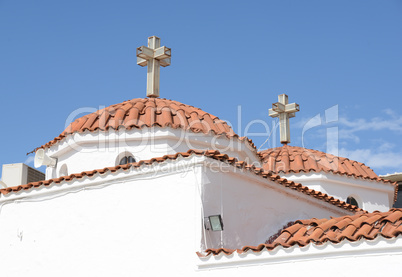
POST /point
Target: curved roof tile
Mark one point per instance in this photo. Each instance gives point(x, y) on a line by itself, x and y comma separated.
point(149, 112)
point(294, 159)
point(319, 231)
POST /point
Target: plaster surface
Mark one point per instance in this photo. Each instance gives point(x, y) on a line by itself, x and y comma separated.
point(370, 195)
point(95, 150)
point(146, 221)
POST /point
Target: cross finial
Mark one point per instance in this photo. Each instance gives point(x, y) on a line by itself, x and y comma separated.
point(153, 56)
point(284, 111)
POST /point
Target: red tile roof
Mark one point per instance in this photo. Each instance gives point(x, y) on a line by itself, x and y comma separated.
point(293, 159)
point(319, 231)
point(148, 112)
point(214, 154)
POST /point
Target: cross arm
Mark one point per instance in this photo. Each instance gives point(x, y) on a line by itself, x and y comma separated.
point(288, 108)
point(145, 53)
point(278, 107)
point(162, 54)
point(165, 62)
point(142, 62)
point(273, 113)
point(292, 108)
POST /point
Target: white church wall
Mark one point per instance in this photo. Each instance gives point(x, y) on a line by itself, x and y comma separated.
point(253, 208)
point(148, 222)
point(140, 223)
point(370, 195)
point(88, 151)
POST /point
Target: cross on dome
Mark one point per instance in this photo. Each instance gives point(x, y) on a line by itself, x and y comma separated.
point(154, 56)
point(284, 111)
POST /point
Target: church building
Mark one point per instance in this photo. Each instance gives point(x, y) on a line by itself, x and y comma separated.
point(151, 187)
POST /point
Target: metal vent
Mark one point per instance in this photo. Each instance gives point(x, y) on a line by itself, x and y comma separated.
point(34, 175)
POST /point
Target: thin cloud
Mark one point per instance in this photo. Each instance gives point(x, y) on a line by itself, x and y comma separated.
point(376, 158)
point(391, 123)
point(379, 149)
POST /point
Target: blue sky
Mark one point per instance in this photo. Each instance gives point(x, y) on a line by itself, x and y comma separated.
point(343, 57)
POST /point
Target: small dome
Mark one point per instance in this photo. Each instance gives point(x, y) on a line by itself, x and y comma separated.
point(148, 112)
point(293, 159)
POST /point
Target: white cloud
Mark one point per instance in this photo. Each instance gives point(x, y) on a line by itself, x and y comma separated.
point(377, 159)
point(391, 123)
point(373, 141)
point(346, 134)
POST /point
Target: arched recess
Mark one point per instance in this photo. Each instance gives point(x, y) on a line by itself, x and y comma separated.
point(354, 200)
point(125, 158)
point(63, 170)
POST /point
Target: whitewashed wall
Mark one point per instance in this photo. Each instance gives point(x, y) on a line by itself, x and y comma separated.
point(96, 150)
point(141, 222)
point(136, 225)
point(371, 195)
point(253, 208)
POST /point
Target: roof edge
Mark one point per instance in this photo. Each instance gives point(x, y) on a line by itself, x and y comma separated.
point(63, 136)
point(378, 219)
point(214, 154)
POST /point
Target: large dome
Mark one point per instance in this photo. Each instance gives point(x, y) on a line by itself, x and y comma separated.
point(148, 112)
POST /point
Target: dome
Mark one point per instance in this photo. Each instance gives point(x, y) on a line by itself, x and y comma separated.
point(148, 112)
point(293, 159)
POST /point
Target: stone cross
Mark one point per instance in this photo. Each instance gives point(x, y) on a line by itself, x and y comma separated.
point(154, 56)
point(284, 111)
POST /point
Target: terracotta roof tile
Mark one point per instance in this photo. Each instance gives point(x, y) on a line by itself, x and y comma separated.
point(288, 159)
point(214, 154)
point(361, 226)
point(148, 112)
point(292, 159)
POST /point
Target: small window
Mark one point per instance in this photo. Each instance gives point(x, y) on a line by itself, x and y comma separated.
point(350, 200)
point(125, 157)
point(398, 203)
point(127, 160)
